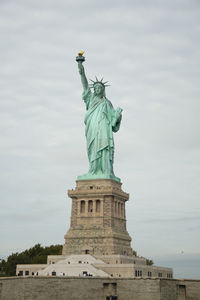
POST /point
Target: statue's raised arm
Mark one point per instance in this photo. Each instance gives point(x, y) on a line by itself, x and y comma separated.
point(80, 59)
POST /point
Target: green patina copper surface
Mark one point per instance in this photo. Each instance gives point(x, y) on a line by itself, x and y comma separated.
point(101, 120)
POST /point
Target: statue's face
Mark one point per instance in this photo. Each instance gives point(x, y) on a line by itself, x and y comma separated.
point(98, 88)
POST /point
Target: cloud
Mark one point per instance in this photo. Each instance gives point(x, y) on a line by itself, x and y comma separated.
point(176, 219)
point(186, 265)
point(149, 52)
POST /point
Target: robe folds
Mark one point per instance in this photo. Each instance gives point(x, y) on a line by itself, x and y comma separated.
point(101, 120)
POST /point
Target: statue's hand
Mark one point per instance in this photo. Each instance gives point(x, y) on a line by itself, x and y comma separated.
point(118, 112)
point(116, 119)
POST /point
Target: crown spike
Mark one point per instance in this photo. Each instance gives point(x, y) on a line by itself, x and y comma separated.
point(98, 81)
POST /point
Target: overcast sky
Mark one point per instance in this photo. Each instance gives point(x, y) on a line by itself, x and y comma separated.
point(149, 52)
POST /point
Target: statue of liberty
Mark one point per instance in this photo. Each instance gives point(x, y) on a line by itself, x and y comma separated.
point(101, 120)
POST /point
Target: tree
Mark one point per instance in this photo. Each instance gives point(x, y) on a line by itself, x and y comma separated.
point(35, 255)
point(149, 262)
point(134, 253)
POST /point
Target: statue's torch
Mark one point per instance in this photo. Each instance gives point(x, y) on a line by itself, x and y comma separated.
point(80, 58)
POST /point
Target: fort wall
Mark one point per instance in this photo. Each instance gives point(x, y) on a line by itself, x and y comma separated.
point(71, 288)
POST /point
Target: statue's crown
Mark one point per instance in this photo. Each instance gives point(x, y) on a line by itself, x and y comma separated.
point(98, 81)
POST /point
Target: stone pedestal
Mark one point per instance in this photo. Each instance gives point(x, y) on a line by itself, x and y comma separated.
point(98, 219)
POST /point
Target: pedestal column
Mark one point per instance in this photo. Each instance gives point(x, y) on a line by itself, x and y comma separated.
point(95, 232)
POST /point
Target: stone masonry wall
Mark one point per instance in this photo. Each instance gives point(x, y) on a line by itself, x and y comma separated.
point(45, 288)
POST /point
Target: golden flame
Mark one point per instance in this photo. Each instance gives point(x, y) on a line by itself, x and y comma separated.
point(80, 53)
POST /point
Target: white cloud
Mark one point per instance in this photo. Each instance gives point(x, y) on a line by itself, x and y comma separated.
point(149, 52)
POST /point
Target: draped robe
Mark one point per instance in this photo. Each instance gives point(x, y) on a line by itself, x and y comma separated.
point(101, 120)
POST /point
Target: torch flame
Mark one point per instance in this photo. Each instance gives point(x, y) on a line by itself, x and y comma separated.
point(80, 53)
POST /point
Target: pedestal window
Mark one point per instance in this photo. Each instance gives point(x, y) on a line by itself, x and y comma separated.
point(90, 206)
point(82, 206)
